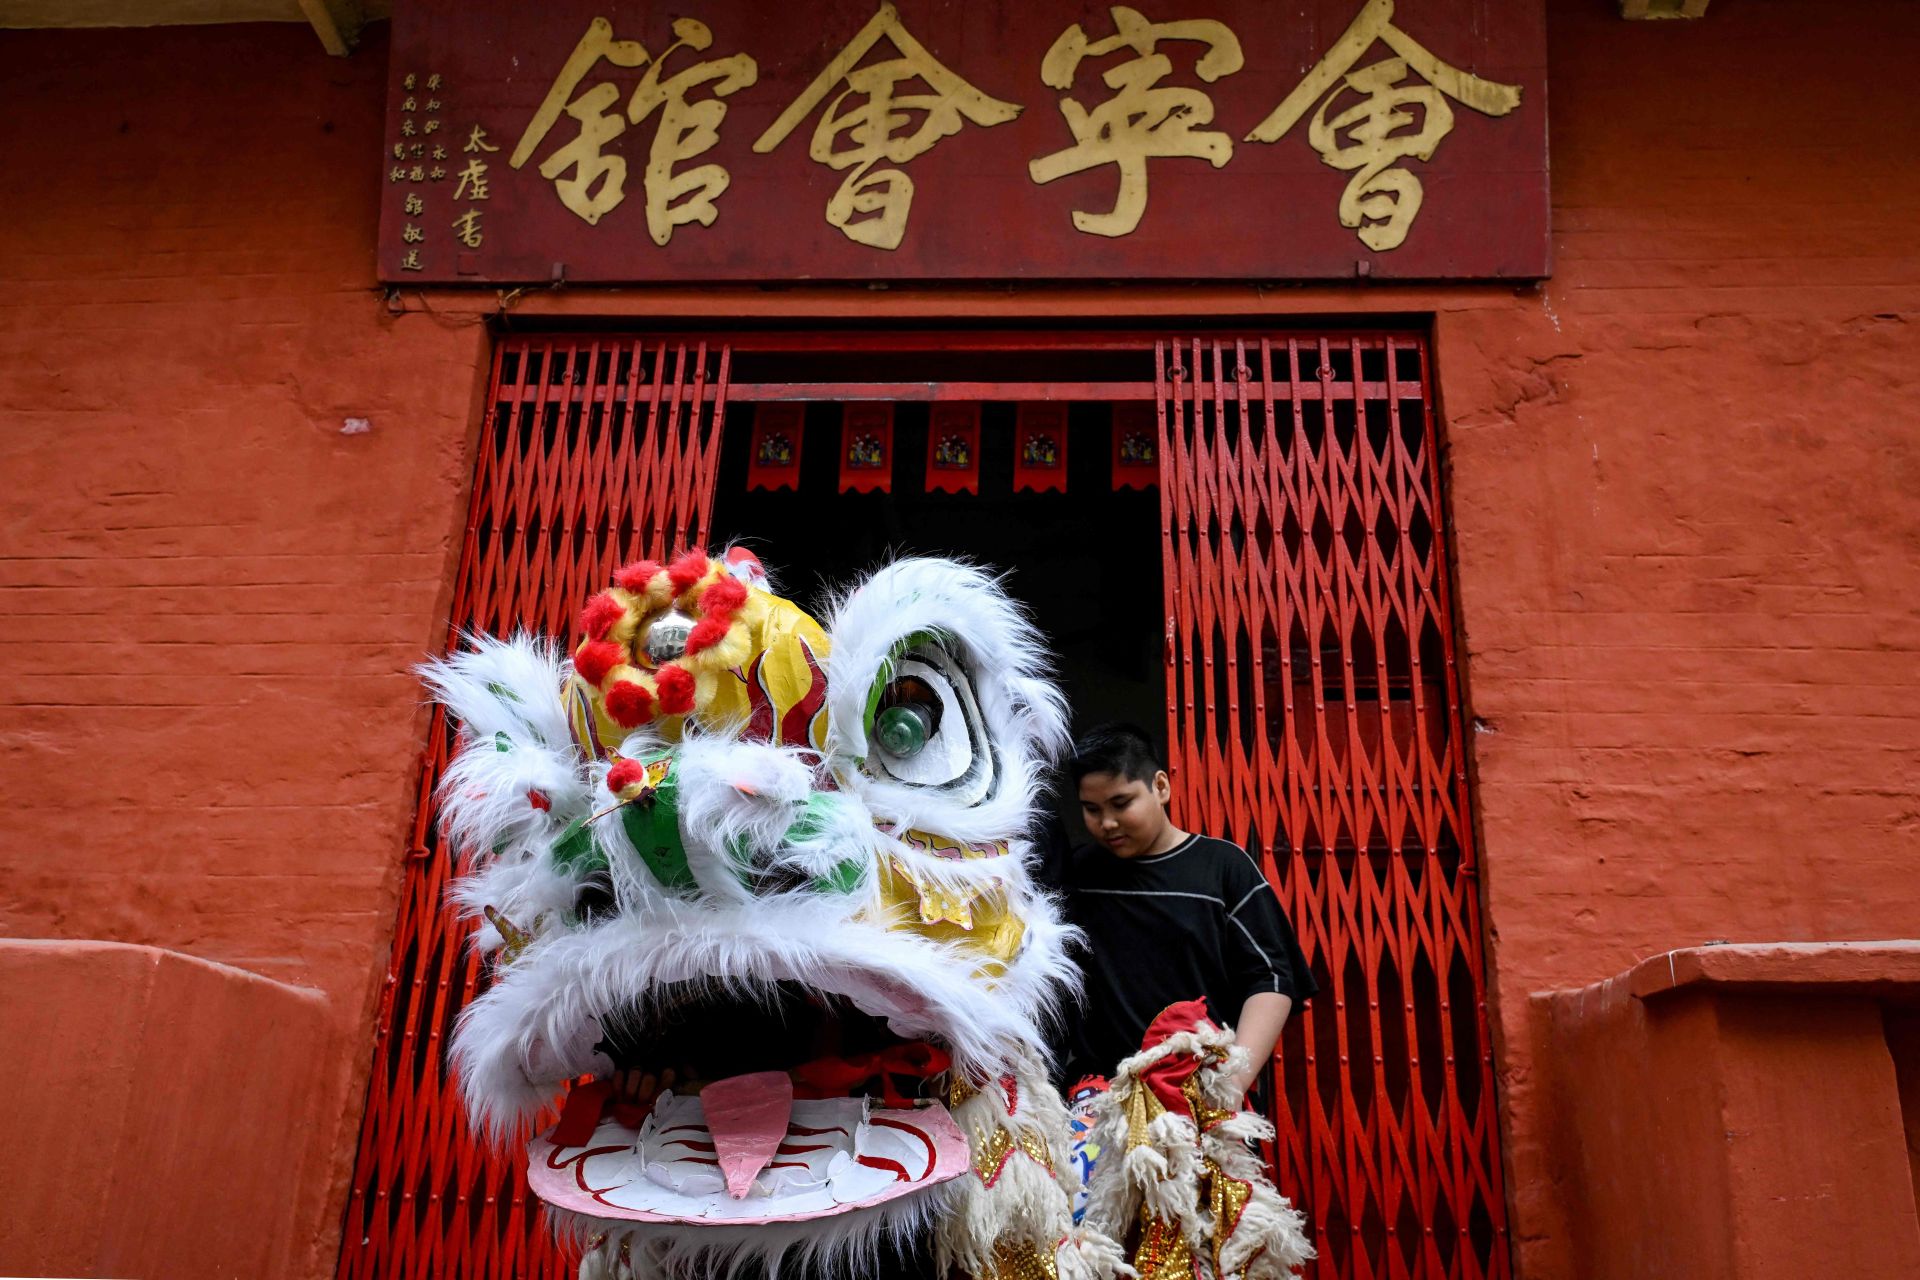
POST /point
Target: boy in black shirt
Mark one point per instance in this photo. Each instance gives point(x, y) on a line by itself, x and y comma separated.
point(1168, 916)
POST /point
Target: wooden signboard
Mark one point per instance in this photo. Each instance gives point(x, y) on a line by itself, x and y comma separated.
point(619, 141)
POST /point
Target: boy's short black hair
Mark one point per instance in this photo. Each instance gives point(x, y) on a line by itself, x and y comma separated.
point(1123, 750)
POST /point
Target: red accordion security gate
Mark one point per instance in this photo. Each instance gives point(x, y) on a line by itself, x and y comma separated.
point(1313, 716)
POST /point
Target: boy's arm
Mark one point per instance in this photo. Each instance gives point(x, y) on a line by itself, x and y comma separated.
point(1261, 1019)
point(1264, 957)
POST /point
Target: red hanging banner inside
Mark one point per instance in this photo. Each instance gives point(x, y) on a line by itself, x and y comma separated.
point(1040, 447)
point(953, 448)
point(1136, 451)
point(866, 447)
point(773, 460)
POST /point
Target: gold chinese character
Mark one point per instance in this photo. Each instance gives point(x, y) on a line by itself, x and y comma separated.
point(477, 141)
point(439, 152)
point(473, 180)
point(1139, 122)
point(408, 104)
point(433, 126)
point(598, 181)
point(412, 261)
point(438, 173)
point(467, 228)
point(870, 127)
point(434, 81)
point(412, 234)
point(397, 174)
point(417, 150)
point(1381, 200)
point(408, 82)
point(406, 128)
point(416, 173)
point(433, 104)
point(414, 205)
point(685, 130)
point(399, 151)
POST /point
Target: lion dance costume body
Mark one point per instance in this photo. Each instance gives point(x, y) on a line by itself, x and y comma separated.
point(752, 899)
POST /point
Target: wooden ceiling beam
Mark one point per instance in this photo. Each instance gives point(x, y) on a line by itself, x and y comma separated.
point(336, 22)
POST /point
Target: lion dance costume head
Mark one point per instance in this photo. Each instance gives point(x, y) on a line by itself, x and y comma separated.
point(754, 901)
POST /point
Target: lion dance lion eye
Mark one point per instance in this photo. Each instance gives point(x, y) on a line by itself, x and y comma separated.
point(908, 717)
point(925, 723)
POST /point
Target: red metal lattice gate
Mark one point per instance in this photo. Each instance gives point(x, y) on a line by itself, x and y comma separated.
point(1313, 716)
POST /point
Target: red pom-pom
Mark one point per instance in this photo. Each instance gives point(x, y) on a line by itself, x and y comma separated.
point(624, 774)
point(724, 596)
point(629, 704)
point(538, 800)
point(635, 577)
point(676, 690)
point(599, 615)
point(687, 570)
point(707, 632)
point(597, 657)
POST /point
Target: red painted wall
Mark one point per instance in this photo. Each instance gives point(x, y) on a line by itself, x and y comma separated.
point(212, 595)
point(1684, 497)
point(1681, 486)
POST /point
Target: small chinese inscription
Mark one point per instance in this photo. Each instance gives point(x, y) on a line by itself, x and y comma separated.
point(472, 183)
point(413, 234)
point(466, 228)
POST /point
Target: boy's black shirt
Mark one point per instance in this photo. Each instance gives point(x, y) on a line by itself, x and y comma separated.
point(1197, 920)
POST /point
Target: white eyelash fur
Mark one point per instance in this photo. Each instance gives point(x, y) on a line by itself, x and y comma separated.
point(566, 980)
point(1010, 669)
point(506, 690)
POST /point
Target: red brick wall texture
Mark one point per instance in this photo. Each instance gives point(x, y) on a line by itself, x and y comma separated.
point(1682, 485)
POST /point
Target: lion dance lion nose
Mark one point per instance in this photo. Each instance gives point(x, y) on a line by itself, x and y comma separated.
point(667, 637)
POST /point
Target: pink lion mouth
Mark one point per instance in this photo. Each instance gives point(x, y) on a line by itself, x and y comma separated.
point(776, 1104)
point(746, 1152)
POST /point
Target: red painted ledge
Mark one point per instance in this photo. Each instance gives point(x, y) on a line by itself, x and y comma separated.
point(1872, 968)
point(165, 1113)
